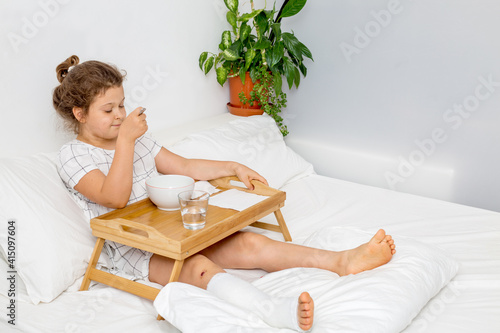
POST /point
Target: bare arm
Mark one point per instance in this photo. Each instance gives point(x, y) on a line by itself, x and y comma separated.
point(170, 163)
point(114, 190)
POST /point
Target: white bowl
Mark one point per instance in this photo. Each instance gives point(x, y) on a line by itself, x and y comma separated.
point(164, 190)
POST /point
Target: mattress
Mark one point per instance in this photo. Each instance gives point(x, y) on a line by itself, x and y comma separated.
point(467, 301)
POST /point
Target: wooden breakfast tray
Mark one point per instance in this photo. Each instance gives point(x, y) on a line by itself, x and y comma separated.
point(142, 225)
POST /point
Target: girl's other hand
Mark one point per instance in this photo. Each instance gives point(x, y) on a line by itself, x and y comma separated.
point(134, 126)
point(245, 174)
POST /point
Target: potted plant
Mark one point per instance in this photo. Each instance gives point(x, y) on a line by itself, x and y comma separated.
point(255, 51)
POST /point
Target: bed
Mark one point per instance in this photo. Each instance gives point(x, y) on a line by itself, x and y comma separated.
point(445, 276)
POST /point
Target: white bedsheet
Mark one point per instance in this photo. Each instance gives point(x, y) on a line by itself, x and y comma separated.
point(470, 302)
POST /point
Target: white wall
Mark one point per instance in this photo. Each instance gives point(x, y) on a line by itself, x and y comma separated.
point(382, 99)
point(157, 42)
point(363, 113)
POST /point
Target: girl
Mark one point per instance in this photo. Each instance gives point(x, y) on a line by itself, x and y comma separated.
point(106, 167)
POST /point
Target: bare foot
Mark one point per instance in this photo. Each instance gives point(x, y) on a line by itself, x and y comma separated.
point(378, 251)
point(305, 311)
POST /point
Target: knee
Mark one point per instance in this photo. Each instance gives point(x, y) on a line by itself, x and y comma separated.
point(252, 242)
point(198, 270)
point(198, 263)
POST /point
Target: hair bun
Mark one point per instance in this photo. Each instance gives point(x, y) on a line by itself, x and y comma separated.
point(63, 68)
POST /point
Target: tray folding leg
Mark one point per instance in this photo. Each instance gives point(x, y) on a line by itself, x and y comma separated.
point(136, 288)
point(176, 271)
point(282, 224)
point(92, 263)
point(174, 276)
point(117, 282)
point(281, 227)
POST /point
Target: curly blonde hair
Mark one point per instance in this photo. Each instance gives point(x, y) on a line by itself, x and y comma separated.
point(80, 84)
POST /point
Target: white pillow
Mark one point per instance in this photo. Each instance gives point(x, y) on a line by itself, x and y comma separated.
point(53, 237)
point(18, 291)
point(253, 141)
point(384, 299)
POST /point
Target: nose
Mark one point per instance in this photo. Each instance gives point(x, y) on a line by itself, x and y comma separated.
point(118, 114)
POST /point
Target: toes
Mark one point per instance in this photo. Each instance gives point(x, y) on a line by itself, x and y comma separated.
point(306, 311)
point(305, 298)
point(304, 307)
point(306, 324)
point(392, 246)
point(379, 236)
point(301, 315)
point(388, 239)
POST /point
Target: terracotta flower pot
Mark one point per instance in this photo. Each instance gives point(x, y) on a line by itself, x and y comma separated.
point(236, 87)
point(235, 106)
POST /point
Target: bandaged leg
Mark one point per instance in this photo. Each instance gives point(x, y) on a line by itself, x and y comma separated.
point(276, 312)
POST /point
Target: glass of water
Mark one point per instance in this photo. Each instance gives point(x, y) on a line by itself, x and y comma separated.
point(194, 205)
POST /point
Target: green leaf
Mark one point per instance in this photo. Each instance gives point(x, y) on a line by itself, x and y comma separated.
point(294, 59)
point(226, 40)
point(277, 53)
point(261, 24)
point(292, 45)
point(242, 74)
point(245, 30)
point(262, 43)
point(237, 47)
point(230, 54)
point(297, 77)
point(293, 7)
point(208, 65)
point(221, 75)
point(232, 5)
point(252, 38)
point(303, 69)
point(253, 73)
point(231, 18)
point(276, 30)
point(289, 69)
point(249, 16)
point(249, 55)
point(202, 59)
point(305, 51)
point(218, 58)
point(270, 13)
point(277, 82)
point(269, 59)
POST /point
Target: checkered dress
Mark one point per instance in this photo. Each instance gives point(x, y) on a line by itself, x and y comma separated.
point(77, 158)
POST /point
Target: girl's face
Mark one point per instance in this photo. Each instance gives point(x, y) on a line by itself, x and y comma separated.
point(101, 125)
